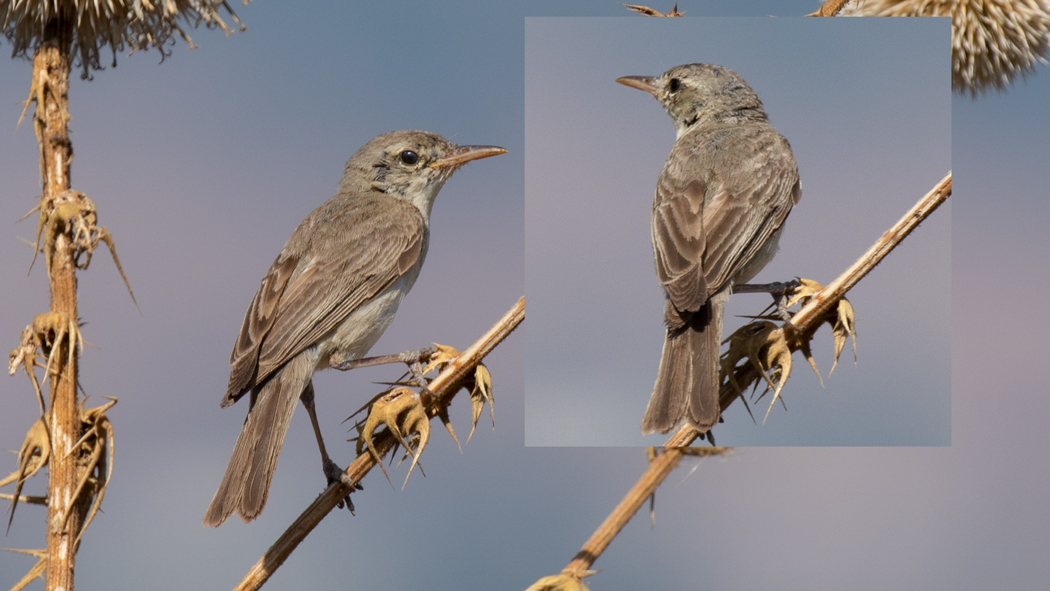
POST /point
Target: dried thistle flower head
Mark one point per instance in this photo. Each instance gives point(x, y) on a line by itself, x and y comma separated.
point(993, 41)
point(119, 24)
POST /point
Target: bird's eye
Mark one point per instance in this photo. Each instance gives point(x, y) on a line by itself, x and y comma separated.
point(409, 157)
point(674, 85)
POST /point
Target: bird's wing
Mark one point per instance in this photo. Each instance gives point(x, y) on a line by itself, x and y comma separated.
point(678, 241)
point(707, 226)
point(304, 297)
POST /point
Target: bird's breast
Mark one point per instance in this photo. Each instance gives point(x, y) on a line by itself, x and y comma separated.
point(765, 253)
point(354, 337)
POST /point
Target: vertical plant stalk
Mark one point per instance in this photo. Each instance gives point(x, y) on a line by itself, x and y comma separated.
point(50, 88)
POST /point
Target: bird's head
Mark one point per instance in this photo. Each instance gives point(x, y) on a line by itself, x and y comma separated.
point(692, 93)
point(411, 165)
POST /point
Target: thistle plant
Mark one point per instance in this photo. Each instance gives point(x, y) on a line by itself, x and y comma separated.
point(58, 35)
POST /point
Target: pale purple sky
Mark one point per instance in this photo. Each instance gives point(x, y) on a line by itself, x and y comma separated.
point(224, 149)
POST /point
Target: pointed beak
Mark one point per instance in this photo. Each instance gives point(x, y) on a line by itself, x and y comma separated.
point(645, 83)
point(464, 154)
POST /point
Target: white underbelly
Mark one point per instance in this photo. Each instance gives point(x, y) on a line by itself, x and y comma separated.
point(363, 327)
point(765, 254)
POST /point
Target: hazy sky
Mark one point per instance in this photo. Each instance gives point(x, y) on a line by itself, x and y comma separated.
point(866, 108)
point(202, 166)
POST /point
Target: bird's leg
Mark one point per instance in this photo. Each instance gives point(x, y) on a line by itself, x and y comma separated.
point(408, 357)
point(413, 359)
point(332, 472)
point(778, 289)
point(415, 367)
point(307, 399)
point(779, 292)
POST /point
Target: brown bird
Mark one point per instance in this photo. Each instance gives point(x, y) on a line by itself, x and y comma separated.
point(721, 201)
point(329, 296)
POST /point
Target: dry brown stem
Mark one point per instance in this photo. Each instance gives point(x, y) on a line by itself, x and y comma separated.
point(658, 469)
point(807, 319)
point(50, 90)
point(30, 499)
point(444, 387)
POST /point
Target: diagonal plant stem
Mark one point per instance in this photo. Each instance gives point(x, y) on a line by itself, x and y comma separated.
point(805, 320)
point(444, 388)
point(874, 255)
point(658, 469)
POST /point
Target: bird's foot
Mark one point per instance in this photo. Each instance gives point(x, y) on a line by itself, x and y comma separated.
point(479, 385)
point(334, 474)
point(342, 362)
point(780, 290)
point(709, 435)
point(839, 316)
point(419, 355)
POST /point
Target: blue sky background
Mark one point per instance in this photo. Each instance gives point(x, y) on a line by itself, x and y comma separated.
point(224, 149)
point(866, 107)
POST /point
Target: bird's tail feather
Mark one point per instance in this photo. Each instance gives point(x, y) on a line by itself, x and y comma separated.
point(246, 484)
point(687, 382)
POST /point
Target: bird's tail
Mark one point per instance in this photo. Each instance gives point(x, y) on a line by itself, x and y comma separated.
point(246, 484)
point(688, 380)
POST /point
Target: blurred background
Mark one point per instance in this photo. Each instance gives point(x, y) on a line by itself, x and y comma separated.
point(224, 149)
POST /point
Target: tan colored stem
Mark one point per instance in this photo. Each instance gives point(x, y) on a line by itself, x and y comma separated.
point(51, 68)
point(444, 386)
point(874, 255)
point(658, 469)
point(29, 499)
point(805, 320)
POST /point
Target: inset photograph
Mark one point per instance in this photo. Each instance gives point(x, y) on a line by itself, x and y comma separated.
point(695, 192)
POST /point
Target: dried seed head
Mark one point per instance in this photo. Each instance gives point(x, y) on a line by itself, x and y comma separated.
point(134, 25)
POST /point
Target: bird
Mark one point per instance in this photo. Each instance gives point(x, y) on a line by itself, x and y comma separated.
point(328, 297)
point(721, 200)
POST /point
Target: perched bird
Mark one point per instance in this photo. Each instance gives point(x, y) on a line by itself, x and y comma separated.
point(721, 201)
point(329, 296)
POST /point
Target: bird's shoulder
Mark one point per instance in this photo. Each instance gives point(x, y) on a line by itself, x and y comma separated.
point(350, 218)
point(730, 159)
point(710, 144)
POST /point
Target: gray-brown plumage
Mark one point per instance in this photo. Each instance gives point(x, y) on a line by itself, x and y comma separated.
point(721, 200)
point(329, 296)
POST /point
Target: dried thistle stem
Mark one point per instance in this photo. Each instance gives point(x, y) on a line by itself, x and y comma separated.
point(807, 319)
point(51, 68)
point(444, 387)
point(874, 255)
point(658, 469)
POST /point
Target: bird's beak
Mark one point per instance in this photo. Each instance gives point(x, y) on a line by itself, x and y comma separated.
point(640, 82)
point(464, 154)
